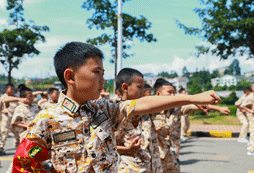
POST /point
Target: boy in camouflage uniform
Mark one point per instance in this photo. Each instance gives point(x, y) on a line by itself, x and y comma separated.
point(137, 140)
point(78, 135)
point(25, 112)
point(242, 116)
point(52, 101)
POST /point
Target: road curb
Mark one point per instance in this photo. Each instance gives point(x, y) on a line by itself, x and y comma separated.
point(214, 133)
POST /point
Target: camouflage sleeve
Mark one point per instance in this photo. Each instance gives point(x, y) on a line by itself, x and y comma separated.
point(187, 108)
point(121, 112)
point(248, 101)
point(39, 129)
point(239, 101)
point(17, 116)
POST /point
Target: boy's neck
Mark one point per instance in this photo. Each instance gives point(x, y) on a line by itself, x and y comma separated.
point(71, 95)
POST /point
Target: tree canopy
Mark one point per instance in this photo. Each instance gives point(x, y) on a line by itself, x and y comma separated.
point(228, 25)
point(15, 43)
point(105, 17)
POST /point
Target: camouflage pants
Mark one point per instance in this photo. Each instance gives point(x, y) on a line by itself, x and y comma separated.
point(169, 163)
point(6, 128)
point(175, 133)
point(245, 123)
point(251, 128)
point(185, 125)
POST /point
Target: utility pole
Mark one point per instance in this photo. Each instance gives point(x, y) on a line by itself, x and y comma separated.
point(119, 39)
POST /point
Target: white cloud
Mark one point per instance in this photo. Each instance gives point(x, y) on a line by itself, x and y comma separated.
point(3, 22)
point(3, 4)
point(192, 63)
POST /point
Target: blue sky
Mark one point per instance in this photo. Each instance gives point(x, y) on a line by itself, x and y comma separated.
point(67, 22)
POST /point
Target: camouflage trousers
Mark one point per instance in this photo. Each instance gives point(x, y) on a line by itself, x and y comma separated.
point(251, 128)
point(169, 163)
point(185, 125)
point(6, 128)
point(175, 133)
point(245, 123)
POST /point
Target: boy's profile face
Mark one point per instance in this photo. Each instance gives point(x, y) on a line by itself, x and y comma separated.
point(9, 91)
point(183, 92)
point(166, 90)
point(30, 97)
point(88, 80)
point(54, 96)
point(134, 90)
point(147, 92)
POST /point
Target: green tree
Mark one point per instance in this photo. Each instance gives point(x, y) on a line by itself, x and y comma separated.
point(215, 74)
point(224, 88)
point(16, 43)
point(234, 67)
point(185, 72)
point(166, 74)
point(227, 24)
point(105, 17)
point(194, 85)
point(208, 86)
point(242, 84)
point(231, 88)
point(217, 88)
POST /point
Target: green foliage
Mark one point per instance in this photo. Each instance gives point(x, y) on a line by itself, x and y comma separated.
point(194, 85)
point(242, 84)
point(217, 88)
point(105, 17)
point(208, 86)
point(16, 43)
point(231, 88)
point(109, 85)
point(230, 100)
point(224, 88)
point(185, 72)
point(50, 80)
point(227, 25)
point(166, 74)
point(215, 74)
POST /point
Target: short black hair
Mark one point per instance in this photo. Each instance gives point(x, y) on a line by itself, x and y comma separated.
point(126, 75)
point(73, 55)
point(23, 92)
point(247, 89)
point(51, 90)
point(181, 90)
point(146, 86)
point(9, 85)
point(159, 83)
point(21, 86)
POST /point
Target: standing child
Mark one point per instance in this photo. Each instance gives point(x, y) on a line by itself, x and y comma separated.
point(242, 116)
point(136, 139)
point(53, 99)
point(78, 135)
point(25, 112)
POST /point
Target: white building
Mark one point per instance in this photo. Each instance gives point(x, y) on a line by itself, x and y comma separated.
point(249, 74)
point(229, 80)
point(177, 82)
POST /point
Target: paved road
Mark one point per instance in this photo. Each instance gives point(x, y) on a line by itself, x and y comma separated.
point(215, 155)
point(198, 155)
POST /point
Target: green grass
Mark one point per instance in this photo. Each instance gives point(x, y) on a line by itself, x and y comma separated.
point(215, 118)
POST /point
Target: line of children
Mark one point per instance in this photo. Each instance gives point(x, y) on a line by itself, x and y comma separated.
point(78, 135)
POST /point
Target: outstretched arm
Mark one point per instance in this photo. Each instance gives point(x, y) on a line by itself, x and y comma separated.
point(152, 104)
point(222, 109)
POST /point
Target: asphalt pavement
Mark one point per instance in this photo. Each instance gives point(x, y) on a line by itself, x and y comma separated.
point(197, 155)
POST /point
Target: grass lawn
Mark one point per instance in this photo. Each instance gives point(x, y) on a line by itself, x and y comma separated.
point(215, 118)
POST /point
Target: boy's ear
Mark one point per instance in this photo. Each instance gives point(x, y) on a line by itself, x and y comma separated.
point(69, 76)
point(124, 87)
point(157, 93)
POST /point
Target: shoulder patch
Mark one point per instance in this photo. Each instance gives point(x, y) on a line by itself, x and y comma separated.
point(98, 119)
point(69, 105)
point(34, 151)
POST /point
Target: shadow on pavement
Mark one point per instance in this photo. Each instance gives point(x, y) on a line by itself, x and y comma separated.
point(191, 152)
point(192, 161)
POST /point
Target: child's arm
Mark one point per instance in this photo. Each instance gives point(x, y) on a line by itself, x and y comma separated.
point(152, 104)
point(22, 124)
point(15, 99)
point(222, 109)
